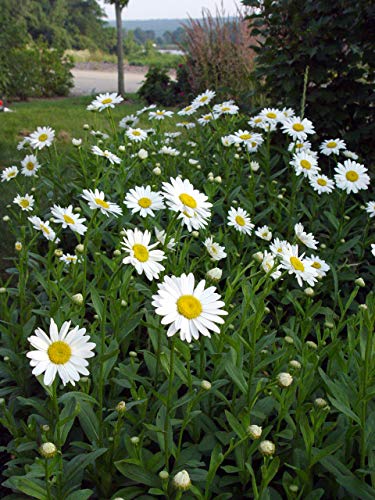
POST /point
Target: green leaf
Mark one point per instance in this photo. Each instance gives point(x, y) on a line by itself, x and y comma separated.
point(137, 473)
point(80, 495)
point(97, 302)
point(236, 375)
point(89, 422)
point(30, 486)
point(73, 470)
point(235, 424)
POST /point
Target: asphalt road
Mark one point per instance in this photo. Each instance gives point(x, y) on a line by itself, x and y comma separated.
point(87, 82)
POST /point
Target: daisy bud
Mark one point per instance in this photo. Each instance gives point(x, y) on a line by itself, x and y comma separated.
point(267, 448)
point(309, 292)
point(363, 307)
point(123, 303)
point(293, 363)
point(284, 379)
point(237, 156)
point(6, 218)
point(311, 344)
point(214, 274)
point(48, 450)
point(78, 299)
point(45, 428)
point(288, 339)
point(77, 210)
point(2, 401)
point(135, 440)
point(18, 246)
point(258, 256)
point(218, 179)
point(274, 182)
point(133, 354)
point(323, 245)
point(293, 488)
point(181, 481)
point(267, 310)
point(360, 282)
point(231, 326)
point(121, 407)
point(80, 248)
point(142, 154)
point(163, 474)
point(119, 498)
point(76, 142)
point(195, 234)
point(58, 252)
point(320, 403)
point(100, 142)
point(122, 148)
point(329, 325)
point(157, 171)
point(206, 385)
point(280, 196)
point(86, 126)
point(6, 359)
point(3, 290)
point(342, 240)
point(346, 217)
point(198, 167)
point(254, 431)
point(211, 179)
point(254, 165)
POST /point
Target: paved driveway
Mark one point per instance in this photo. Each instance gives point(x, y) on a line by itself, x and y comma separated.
point(87, 82)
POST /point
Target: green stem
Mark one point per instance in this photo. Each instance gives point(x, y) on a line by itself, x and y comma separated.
point(169, 398)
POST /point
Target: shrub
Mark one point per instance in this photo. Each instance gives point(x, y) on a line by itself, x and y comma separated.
point(159, 88)
point(334, 40)
point(218, 54)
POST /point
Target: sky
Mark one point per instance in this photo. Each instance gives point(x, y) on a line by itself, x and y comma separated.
point(168, 9)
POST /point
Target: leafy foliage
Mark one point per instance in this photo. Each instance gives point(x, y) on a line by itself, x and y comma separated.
point(335, 41)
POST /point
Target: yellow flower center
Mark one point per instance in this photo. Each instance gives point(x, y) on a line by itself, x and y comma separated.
point(30, 165)
point(203, 99)
point(316, 265)
point(68, 219)
point(43, 137)
point(45, 229)
point(225, 108)
point(271, 115)
point(140, 252)
point(245, 137)
point(101, 203)
point(12, 174)
point(71, 259)
point(188, 200)
point(59, 352)
point(24, 203)
point(107, 101)
point(297, 264)
point(144, 202)
point(321, 182)
point(352, 176)
point(331, 144)
point(160, 113)
point(305, 164)
point(257, 120)
point(299, 145)
point(240, 220)
point(188, 108)
point(187, 215)
point(189, 306)
point(298, 127)
point(136, 133)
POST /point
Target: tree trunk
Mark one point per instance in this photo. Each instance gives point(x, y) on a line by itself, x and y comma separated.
point(120, 51)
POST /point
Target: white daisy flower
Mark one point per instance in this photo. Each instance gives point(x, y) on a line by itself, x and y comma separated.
point(147, 108)
point(207, 118)
point(44, 227)
point(112, 158)
point(321, 183)
point(305, 163)
point(298, 265)
point(319, 264)
point(107, 100)
point(351, 176)
point(96, 200)
point(203, 99)
point(68, 218)
point(188, 110)
point(128, 121)
point(272, 115)
point(69, 258)
point(63, 352)
point(141, 253)
point(30, 165)
point(295, 147)
point(22, 144)
point(25, 202)
point(268, 263)
point(264, 233)
point(249, 138)
point(227, 140)
point(225, 108)
point(188, 309)
point(167, 150)
point(298, 128)
point(240, 220)
point(350, 154)
point(332, 146)
point(99, 133)
point(216, 251)
point(306, 238)
point(370, 208)
point(257, 121)
point(136, 134)
point(277, 246)
point(186, 125)
point(42, 137)
point(161, 235)
point(144, 200)
point(181, 196)
point(9, 173)
point(160, 114)
point(288, 113)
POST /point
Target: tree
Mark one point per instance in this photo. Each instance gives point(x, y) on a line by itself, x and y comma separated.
point(119, 6)
point(335, 40)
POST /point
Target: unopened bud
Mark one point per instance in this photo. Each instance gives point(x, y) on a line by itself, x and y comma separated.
point(254, 431)
point(48, 450)
point(267, 448)
point(182, 481)
point(121, 407)
point(78, 299)
point(206, 385)
point(284, 379)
